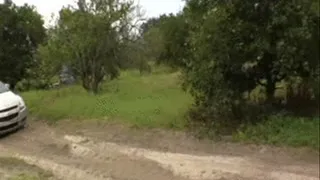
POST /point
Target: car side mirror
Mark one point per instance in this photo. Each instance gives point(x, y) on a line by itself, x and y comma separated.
point(7, 86)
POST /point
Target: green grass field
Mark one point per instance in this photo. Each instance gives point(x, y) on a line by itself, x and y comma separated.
point(283, 131)
point(154, 100)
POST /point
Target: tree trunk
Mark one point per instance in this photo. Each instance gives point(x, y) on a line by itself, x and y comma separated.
point(12, 86)
point(269, 74)
point(85, 83)
point(95, 86)
point(270, 90)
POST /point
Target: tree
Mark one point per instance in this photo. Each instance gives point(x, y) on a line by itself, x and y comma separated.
point(149, 24)
point(165, 38)
point(255, 43)
point(49, 58)
point(21, 31)
point(175, 33)
point(236, 46)
point(94, 34)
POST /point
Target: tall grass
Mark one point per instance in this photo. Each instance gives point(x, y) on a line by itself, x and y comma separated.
point(154, 100)
point(279, 130)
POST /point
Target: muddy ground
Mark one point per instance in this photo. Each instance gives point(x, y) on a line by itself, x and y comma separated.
point(94, 151)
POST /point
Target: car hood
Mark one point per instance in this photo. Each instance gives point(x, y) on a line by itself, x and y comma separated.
point(8, 99)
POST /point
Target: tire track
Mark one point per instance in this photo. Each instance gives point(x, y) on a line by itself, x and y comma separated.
point(59, 170)
point(69, 161)
point(194, 167)
point(71, 157)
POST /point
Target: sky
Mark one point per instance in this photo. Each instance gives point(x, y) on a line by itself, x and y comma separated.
point(152, 8)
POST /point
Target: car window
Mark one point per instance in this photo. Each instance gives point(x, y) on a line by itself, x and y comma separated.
point(3, 88)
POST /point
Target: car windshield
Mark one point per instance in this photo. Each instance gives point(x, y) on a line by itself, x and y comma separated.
point(3, 88)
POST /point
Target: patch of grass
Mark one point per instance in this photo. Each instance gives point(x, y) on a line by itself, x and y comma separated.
point(20, 170)
point(26, 177)
point(296, 132)
point(154, 100)
point(4, 161)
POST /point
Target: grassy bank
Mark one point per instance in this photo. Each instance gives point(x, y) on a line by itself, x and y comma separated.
point(283, 131)
point(154, 100)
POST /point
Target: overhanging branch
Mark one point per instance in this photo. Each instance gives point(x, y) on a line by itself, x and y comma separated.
point(260, 83)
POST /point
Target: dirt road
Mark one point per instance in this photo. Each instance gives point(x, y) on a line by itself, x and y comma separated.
point(112, 152)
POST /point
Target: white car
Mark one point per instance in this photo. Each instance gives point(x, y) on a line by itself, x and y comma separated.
point(13, 111)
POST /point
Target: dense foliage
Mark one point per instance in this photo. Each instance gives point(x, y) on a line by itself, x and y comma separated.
point(21, 31)
point(92, 36)
point(227, 51)
point(238, 46)
point(167, 36)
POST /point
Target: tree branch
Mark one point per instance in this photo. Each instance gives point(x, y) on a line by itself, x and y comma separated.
point(260, 83)
point(280, 78)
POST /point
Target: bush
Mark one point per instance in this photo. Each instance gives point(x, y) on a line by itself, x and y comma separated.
point(224, 113)
point(302, 97)
point(31, 84)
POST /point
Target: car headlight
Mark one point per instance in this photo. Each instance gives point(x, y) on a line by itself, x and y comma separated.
point(22, 105)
